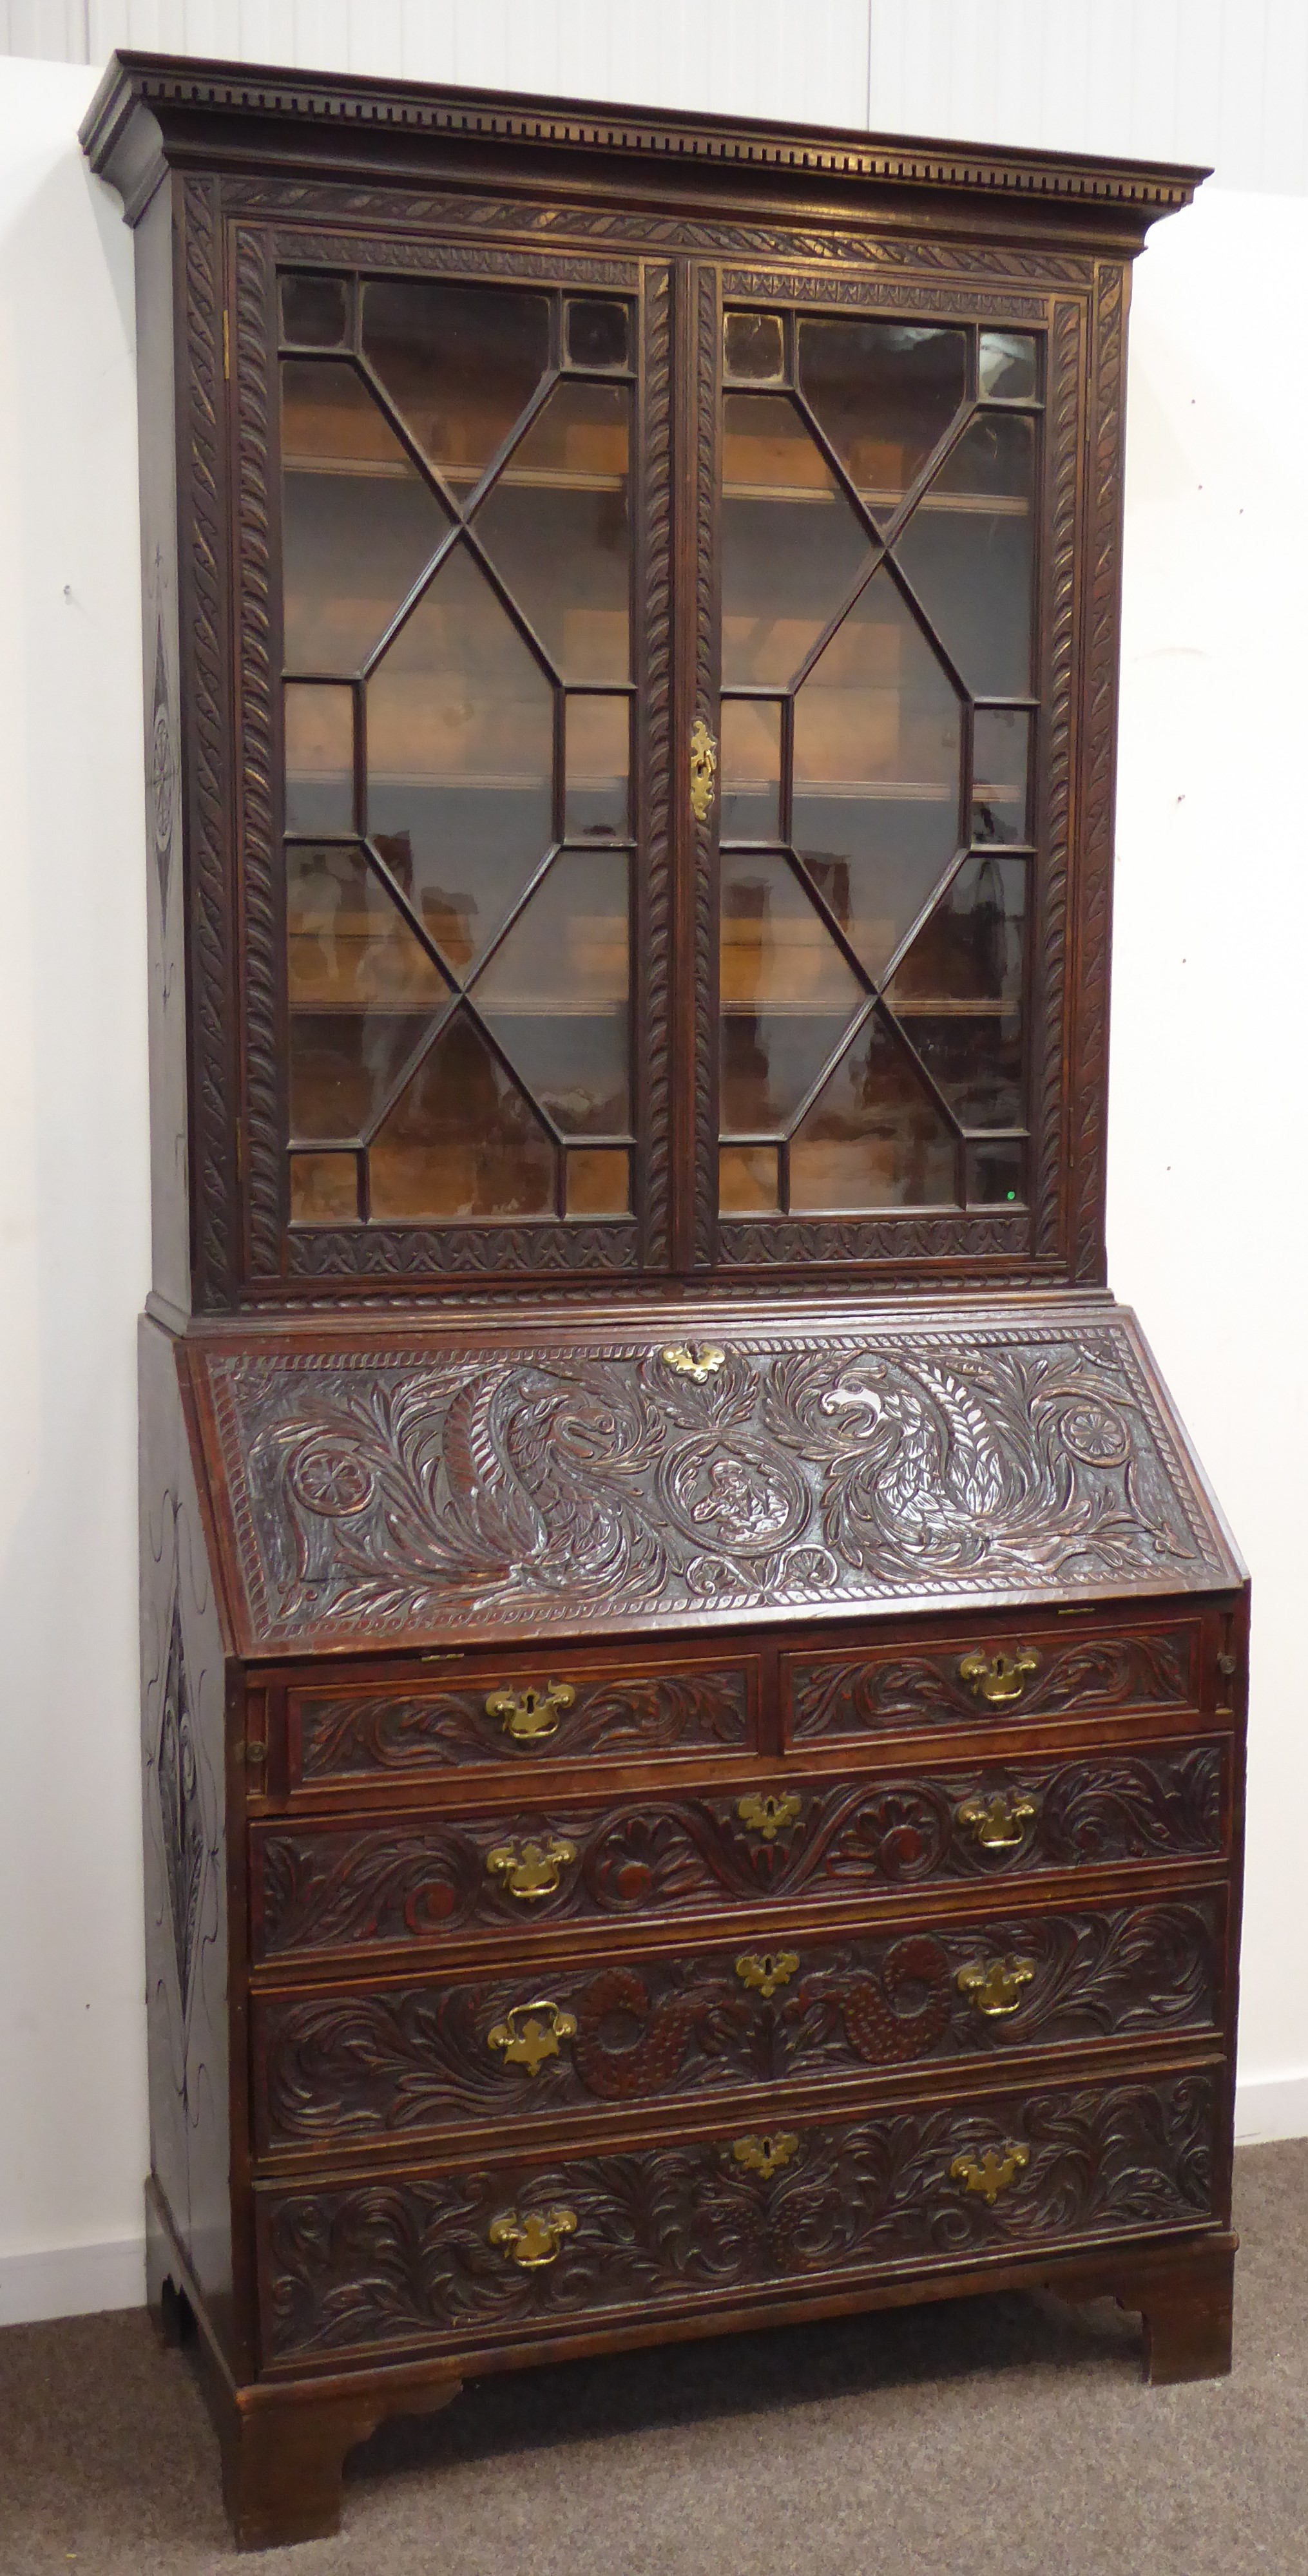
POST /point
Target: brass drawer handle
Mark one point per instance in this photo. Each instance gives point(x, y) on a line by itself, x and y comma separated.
point(695, 1360)
point(764, 1971)
point(770, 1816)
point(996, 1989)
point(527, 2041)
point(999, 1679)
point(703, 769)
point(535, 2239)
point(993, 2174)
point(528, 1715)
point(533, 1871)
point(998, 1823)
point(767, 2154)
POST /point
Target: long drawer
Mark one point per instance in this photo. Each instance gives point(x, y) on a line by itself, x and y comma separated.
point(326, 1887)
point(516, 2250)
point(406, 2059)
point(1006, 1674)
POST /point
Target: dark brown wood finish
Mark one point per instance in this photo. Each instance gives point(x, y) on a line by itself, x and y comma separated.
point(693, 1764)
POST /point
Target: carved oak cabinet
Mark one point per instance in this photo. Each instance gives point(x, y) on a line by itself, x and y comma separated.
point(693, 1687)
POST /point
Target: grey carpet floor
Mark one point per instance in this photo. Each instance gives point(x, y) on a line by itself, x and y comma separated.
point(991, 2437)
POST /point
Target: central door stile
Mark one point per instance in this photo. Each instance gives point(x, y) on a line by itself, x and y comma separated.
point(696, 587)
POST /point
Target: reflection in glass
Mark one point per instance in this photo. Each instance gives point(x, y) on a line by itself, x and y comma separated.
point(792, 543)
point(1007, 367)
point(1001, 746)
point(358, 523)
point(460, 760)
point(597, 765)
point(555, 993)
point(884, 393)
point(598, 1181)
point(786, 993)
point(976, 1058)
point(597, 333)
point(996, 1173)
point(874, 1137)
point(324, 1189)
point(460, 363)
point(319, 730)
point(747, 1180)
point(315, 311)
point(967, 551)
point(555, 525)
point(971, 948)
point(461, 1141)
point(347, 942)
point(752, 348)
point(749, 768)
point(344, 1065)
point(877, 757)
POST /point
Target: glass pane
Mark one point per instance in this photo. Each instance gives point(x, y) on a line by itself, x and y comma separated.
point(874, 1137)
point(976, 1058)
point(750, 769)
point(319, 727)
point(885, 394)
point(347, 942)
point(555, 993)
point(461, 760)
point(344, 1065)
point(752, 348)
point(314, 311)
point(460, 364)
point(792, 543)
point(786, 992)
point(358, 522)
point(996, 1173)
point(461, 1141)
point(971, 946)
point(598, 334)
point(555, 525)
point(324, 1189)
point(598, 762)
point(1001, 746)
point(747, 1180)
point(1007, 369)
point(878, 747)
point(599, 1181)
point(967, 550)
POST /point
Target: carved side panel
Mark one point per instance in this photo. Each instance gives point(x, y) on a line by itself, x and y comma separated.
point(841, 1695)
point(645, 1859)
point(400, 1735)
point(376, 2263)
point(404, 2060)
point(254, 336)
point(1054, 945)
point(183, 1686)
point(654, 718)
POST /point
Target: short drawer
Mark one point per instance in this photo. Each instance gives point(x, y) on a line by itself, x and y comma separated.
point(324, 1887)
point(514, 1710)
point(411, 2059)
point(468, 2258)
point(980, 1675)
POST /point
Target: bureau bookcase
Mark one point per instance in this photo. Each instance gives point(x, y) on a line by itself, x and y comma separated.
point(693, 1688)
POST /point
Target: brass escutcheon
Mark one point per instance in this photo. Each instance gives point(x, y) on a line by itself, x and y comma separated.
point(993, 2174)
point(996, 1989)
point(703, 769)
point(764, 2155)
point(765, 1970)
point(534, 2239)
point(999, 1679)
point(527, 2041)
point(530, 1714)
point(533, 1871)
point(770, 1816)
point(695, 1360)
point(998, 1823)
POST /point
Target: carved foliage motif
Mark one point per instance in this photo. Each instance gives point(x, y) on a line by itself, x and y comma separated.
point(374, 2263)
point(263, 1111)
point(202, 558)
point(655, 720)
point(392, 2062)
point(389, 1884)
point(667, 1713)
point(1061, 588)
point(842, 1697)
point(177, 1775)
point(375, 1492)
point(1088, 1091)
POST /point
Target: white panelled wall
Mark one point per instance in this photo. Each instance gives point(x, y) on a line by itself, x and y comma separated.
point(1207, 1225)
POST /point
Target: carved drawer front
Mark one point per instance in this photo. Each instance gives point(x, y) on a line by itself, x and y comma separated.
point(516, 1710)
point(325, 1887)
point(412, 2059)
point(468, 2258)
point(1045, 1670)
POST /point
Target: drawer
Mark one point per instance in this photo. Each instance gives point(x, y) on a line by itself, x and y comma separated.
point(325, 1887)
point(511, 1711)
point(512, 2250)
point(407, 2058)
point(999, 1676)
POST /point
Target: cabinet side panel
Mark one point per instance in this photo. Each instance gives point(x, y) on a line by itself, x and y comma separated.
point(183, 1734)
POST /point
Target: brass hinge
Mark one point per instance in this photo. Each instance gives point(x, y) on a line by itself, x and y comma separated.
point(227, 345)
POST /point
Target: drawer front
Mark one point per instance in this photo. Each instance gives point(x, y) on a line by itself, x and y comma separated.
point(411, 2059)
point(323, 1888)
point(999, 1679)
point(509, 2251)
point(514, 1712)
